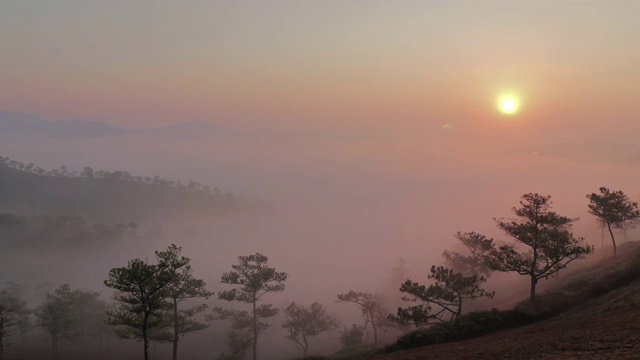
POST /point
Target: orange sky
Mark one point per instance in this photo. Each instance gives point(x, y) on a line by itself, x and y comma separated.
point(332, 66)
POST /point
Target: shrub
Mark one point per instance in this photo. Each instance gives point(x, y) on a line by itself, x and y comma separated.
point(352, 337)
point(465, 327)
point(360, 352)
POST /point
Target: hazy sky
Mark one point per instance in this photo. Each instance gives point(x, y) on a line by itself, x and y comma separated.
point(351, 66)
point(394, 102)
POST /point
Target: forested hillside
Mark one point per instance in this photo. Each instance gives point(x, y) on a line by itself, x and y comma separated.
point(104, 196)
point(62, 232)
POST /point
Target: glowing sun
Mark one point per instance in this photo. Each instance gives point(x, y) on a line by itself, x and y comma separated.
point(508, 105)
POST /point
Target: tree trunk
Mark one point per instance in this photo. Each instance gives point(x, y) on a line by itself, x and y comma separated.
point(306, 346)
point(613, 240)
point(255, 331)
point(375, 329)
point(532, 271)
point(145, 339)
point(175, 330)
point(532, 295)
point(22, 327)
point(1, 340)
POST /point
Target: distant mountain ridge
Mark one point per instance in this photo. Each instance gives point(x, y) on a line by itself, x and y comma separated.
point(26, 124)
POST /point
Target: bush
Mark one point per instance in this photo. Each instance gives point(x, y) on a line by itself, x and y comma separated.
point(465, 327)
point(352, 337)
point(360, 352)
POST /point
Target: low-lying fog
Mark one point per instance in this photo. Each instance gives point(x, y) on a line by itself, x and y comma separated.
point(343, 209)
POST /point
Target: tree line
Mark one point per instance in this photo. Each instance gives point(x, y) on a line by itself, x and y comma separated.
point(100, 195)
point(117, 175)
point(542, 245)
point(60, 231)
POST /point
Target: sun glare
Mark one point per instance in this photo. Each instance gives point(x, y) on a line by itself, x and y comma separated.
point(508, 105)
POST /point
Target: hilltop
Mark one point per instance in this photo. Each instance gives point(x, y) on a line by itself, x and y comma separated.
point(105, 196)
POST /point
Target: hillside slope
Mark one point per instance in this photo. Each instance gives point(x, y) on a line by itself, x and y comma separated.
point(605, 326)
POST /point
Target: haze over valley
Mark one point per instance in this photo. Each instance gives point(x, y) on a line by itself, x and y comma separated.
point(347, 142)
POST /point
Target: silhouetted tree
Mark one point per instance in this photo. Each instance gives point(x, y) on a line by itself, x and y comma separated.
point(399, 273)
point(100, 326)
point(303, 323)
point(87, 172)
point(441, 301)
point(91, 314)
point(352, 337)
point(371, 309)
point(24, 320)
point(626, 226)
point(8, 317)
point(550, 245)
point(241, 337)
point(613, 208)
point(64, 313)
point(23, 313)
point(474, 259)
point(255, 279)
point(141, 293)
point(183, 286)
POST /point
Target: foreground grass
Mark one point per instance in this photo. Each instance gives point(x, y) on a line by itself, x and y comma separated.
point(467, 326)
point(362, 352)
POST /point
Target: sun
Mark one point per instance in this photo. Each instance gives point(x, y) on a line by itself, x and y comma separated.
point(508, 105)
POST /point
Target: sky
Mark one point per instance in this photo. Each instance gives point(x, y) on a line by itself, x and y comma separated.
point(347, 66)
point(378, 117)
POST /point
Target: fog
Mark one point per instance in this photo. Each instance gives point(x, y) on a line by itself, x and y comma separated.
point(353, 134)
point(342, 209)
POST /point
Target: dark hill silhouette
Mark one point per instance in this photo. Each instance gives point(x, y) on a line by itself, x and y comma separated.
point(104, 196)
point(15, 122)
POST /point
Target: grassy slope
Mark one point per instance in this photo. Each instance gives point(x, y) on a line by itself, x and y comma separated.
point(584, 332)
point(599, 317)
